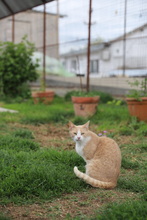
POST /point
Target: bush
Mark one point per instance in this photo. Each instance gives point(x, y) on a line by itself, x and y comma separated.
point(16, 68)
point(104, 97)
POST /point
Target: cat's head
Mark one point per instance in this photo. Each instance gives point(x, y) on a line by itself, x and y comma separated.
point(78, 133)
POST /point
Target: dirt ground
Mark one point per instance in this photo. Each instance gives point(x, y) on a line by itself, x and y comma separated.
point(68, 206)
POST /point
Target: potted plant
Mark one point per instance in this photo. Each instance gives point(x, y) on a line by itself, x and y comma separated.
point(137, 99)
point(85, 104)
point(45, 97)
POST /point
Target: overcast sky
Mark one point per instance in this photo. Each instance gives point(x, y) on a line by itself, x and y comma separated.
point(107, 19)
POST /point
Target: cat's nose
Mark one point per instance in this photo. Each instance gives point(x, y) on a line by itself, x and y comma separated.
point(78, 138)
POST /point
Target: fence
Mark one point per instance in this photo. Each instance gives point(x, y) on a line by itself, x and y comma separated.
point(118, 34)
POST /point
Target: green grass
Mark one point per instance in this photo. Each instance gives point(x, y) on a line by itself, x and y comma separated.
point(36, 114)
point(30, 173)
point(23, 133)
point(3, 217)
point(61, 111)
point(130, 210)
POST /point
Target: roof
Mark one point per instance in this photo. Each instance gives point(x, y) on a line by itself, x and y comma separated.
point(140, 28)
point(95, 47)
point(11, 7)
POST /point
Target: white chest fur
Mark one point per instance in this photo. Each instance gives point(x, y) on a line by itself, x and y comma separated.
point(80, 146)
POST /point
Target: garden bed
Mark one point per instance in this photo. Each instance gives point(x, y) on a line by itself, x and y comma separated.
point(35, 146)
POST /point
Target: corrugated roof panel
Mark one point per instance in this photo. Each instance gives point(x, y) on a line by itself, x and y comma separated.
point(3, 10)
point(10, 7)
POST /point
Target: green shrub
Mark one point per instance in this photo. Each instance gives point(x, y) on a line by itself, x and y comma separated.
point(130, 210)
point(104, 97)
point(16, 68)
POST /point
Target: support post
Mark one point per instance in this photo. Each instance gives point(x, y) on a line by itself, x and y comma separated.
point(44, 49)
point(88, 46)
point(57, 30)
point(124, 39)
point(13, 28)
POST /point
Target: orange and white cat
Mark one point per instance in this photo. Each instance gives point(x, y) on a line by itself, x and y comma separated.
point(101, 154)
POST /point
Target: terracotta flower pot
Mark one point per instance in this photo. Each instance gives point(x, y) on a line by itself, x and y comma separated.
point(45, 97)
point(138, 108)
point(85, 106)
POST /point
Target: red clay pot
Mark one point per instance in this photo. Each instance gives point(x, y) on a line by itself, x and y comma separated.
point(45, 97)
point(85, 106)
point(138, 108)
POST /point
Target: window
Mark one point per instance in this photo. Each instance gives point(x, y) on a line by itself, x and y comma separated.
point(64, 63)
point(73, 66)
point(94, 66)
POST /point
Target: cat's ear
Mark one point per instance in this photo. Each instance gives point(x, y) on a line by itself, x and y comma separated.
point(70, 125)
point(87, 125)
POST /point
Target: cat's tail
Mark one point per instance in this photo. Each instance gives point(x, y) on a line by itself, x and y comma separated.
point(93, 182)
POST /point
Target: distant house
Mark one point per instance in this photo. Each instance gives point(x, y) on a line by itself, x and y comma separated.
point(107, 59)
point(30, 23)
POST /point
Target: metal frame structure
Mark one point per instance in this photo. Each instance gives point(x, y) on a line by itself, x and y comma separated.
point(10, 8)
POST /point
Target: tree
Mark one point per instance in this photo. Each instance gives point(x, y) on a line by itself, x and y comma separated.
point(17, 68)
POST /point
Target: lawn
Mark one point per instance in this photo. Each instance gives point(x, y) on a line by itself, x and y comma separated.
point(37, 159)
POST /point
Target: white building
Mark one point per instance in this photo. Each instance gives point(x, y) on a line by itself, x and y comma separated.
point(108, 59)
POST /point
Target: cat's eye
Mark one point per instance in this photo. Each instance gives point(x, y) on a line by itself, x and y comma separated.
point(75, 133)
point(82, 133)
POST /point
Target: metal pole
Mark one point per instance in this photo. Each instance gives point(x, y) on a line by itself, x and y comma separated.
point(57, 32)
point(124, 40)
point(44, 48)
point(88, 46)
point(81, 85)
point(13, 28)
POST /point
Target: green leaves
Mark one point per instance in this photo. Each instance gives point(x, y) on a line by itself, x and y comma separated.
point(16, 68)
point(140, 91)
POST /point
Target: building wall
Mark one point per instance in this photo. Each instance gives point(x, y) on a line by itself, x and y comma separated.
point(30, 23)
point(111, 58)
